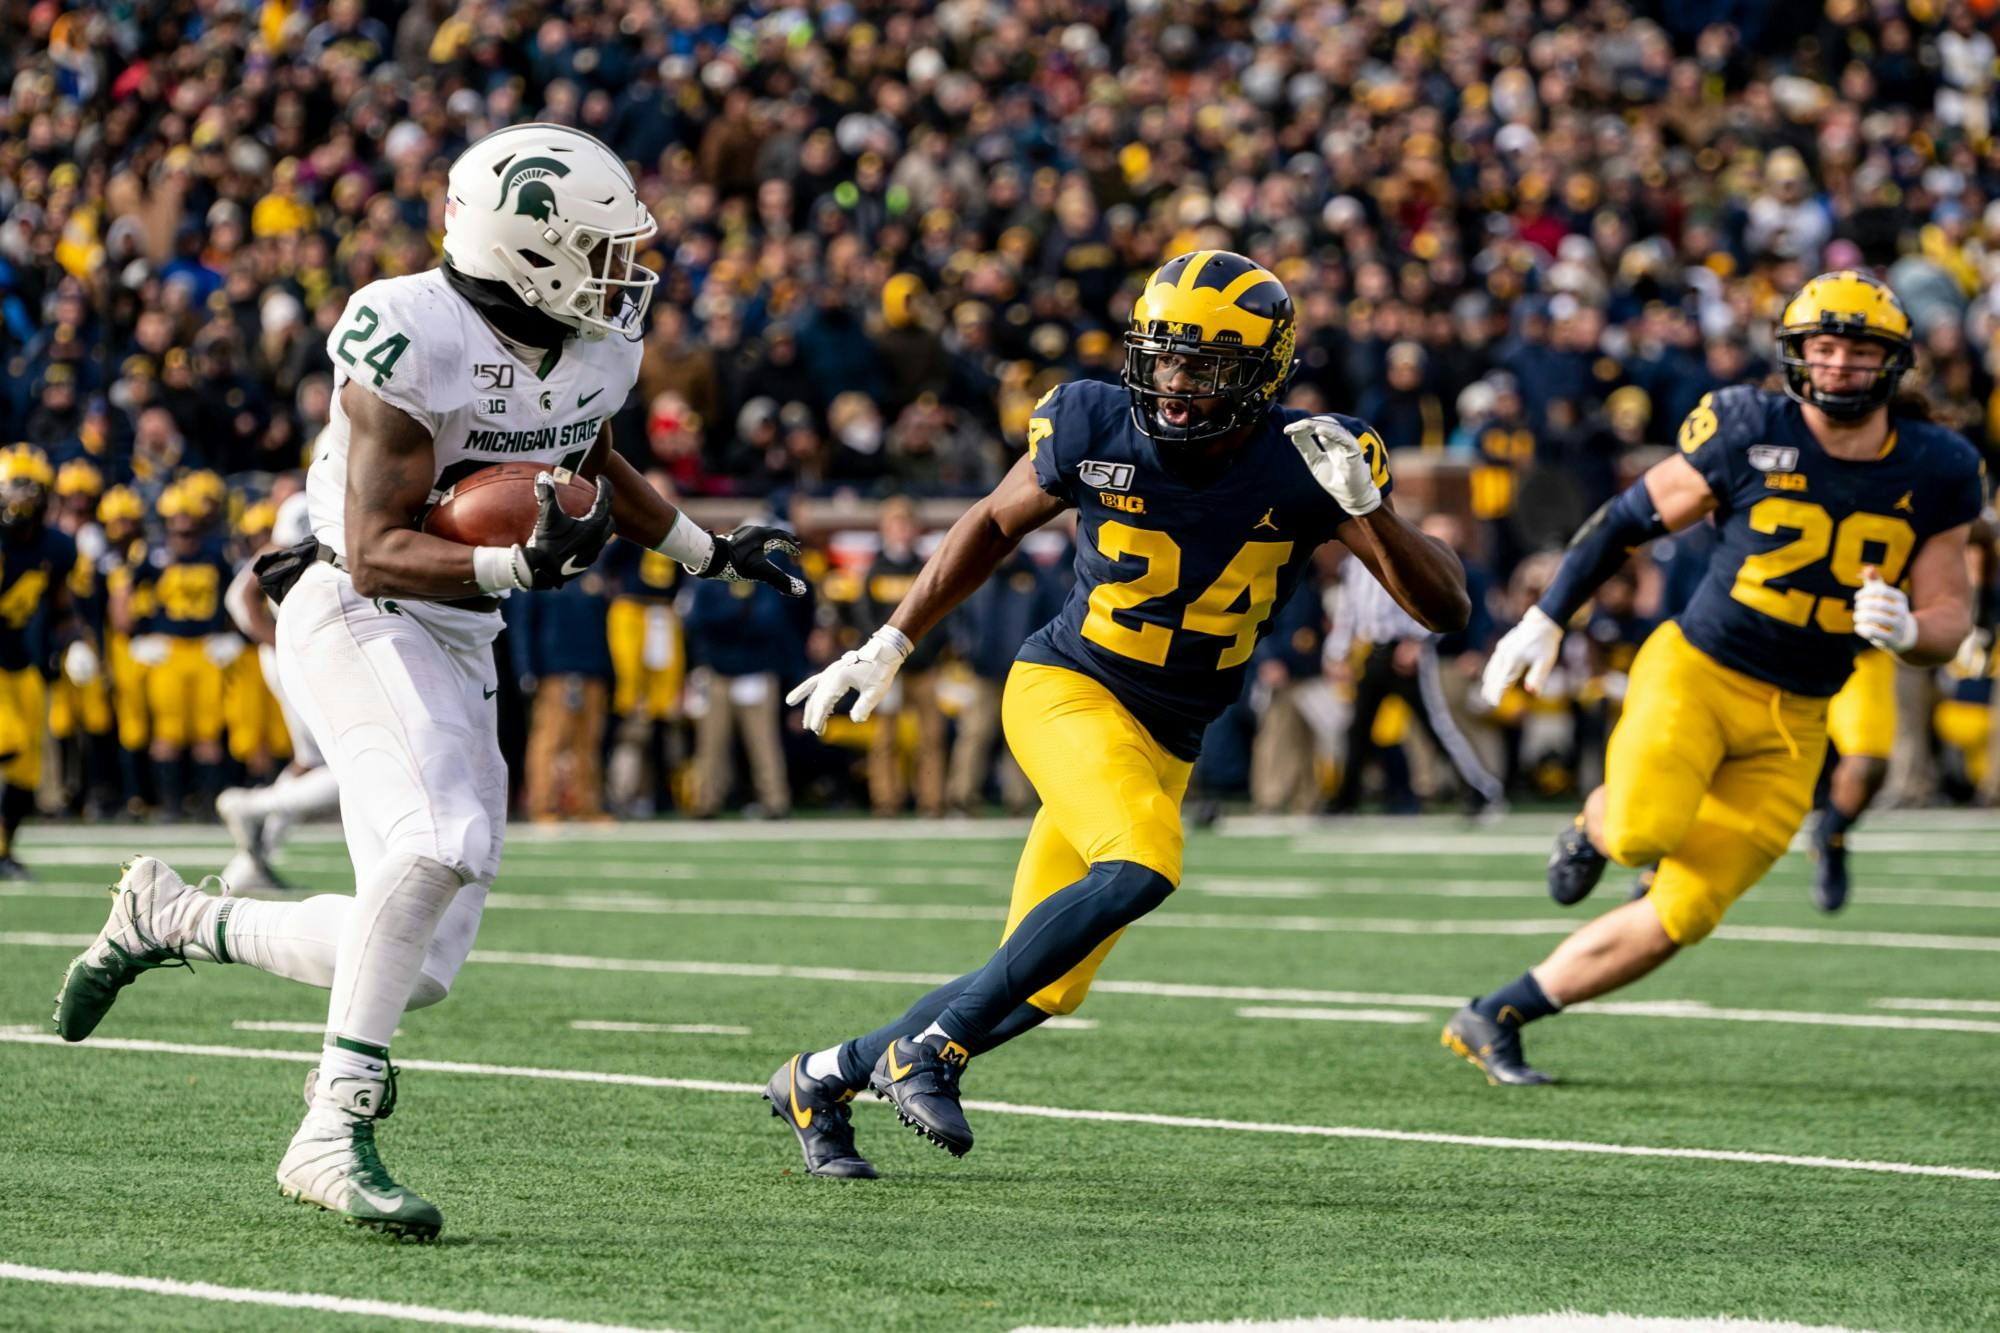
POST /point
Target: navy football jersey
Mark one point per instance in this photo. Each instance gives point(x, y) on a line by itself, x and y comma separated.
point(1796, 526)
point(1175, 582)
point(184, 595)
point(29, 569)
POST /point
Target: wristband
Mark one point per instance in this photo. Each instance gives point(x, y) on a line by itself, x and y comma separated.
point(501, 569)
point(688, 543)
point(894, 640)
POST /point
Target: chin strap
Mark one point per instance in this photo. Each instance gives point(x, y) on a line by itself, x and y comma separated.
point(499, 306)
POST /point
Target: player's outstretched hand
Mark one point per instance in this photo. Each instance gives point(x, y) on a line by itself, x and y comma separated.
point(1526, 653)
point(867, 670)
point(1882, 614)
point(562, 547)
point(1338, 462)
point(744, 555)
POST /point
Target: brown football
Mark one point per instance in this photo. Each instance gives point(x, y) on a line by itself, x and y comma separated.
point(495, 506)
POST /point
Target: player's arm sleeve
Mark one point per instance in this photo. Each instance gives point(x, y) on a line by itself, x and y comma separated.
point(1600, 549)
point(1964, 498)
point(1711, 437)
point(1053, 435)
point(395, 346)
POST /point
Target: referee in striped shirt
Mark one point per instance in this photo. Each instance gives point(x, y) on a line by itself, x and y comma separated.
point(1401, 662)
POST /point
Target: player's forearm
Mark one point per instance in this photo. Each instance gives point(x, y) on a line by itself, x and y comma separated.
point(1423, 575)
point(403, 562)
point(639, 513)
point(1940, 630)
point(970, 552)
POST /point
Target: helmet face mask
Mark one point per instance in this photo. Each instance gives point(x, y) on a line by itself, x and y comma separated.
point(1846, 305)
point(1215, 385)
point(1208, 350)
point(551, 212)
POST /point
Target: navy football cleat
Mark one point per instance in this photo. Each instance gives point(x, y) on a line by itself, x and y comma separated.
point(919, 1077)
point(818, 1111)
point(1574, 866)
point(1829, 855)
point(1492, 1048)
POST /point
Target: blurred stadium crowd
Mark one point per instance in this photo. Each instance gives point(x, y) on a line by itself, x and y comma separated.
point(1524, 238)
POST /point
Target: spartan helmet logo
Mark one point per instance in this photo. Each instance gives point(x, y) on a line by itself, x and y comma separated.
point(535, 199)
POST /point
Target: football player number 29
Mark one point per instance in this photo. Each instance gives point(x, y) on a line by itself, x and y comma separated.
point(381, 357)
point(1233, 606)
point(1848, 541)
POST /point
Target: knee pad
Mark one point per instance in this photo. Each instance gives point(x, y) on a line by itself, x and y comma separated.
point(429, 990)
point(1634, 844)
point(461, 843)
point(1129, 890)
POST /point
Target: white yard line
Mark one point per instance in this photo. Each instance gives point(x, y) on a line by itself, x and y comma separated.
point(1341, 1015)
point(1066, 1113)
point(1064, 1023)
point(1690, 1010)
point(307, 1300)
point(1939, 1006)
point(688, 1029)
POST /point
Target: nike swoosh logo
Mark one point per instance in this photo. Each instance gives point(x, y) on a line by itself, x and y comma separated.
point(802, 1118)
point(572, 569)
point(376, 1201)
point(584, 398)
point(488, 691)
point(897, 1073)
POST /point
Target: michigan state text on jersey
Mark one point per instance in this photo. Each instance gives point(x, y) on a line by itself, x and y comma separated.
point(518, 349)
point(1199, 501)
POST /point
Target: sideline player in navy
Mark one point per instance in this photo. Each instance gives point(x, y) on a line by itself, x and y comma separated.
point(1840, 527)
point(1199, 503)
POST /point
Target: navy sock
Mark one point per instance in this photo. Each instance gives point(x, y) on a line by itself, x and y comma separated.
point(1061, 931)
point(1832, 823)
point(859, 1054)
point(173, 796)
point(1521, 1000)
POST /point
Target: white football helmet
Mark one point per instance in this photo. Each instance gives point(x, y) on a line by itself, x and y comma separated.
point(553, 213)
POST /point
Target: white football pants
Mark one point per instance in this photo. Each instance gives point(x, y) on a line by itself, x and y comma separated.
point(399, 698)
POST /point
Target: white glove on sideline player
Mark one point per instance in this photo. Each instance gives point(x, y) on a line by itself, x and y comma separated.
point(1882, 615)
point(1338, 462)
point(222, 649)
point(1526, 653)
point(80, 663)
point(150, 649)
point(867, 670)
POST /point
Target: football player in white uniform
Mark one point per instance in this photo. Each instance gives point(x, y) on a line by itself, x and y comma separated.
point(259, 817)
point(517, 349)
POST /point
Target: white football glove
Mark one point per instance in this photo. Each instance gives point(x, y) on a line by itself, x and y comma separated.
point(1526, 653)
point(222, 649)
point(1882, 615)
point(151, 650)
point(80, 663)
point(867, 670)
point(1338, 463)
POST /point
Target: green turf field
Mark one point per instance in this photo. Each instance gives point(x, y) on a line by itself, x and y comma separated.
point(1251, 1118)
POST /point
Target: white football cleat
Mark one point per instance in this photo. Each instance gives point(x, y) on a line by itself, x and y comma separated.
point(147, 929)
point(332, 1161)
point(249, 872)
point(247, 829)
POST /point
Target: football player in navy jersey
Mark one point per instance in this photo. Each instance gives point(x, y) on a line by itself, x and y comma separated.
point(1840, 527)
point(1199, 504)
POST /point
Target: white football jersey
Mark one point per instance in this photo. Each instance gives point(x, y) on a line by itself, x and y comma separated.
point(421, 347)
